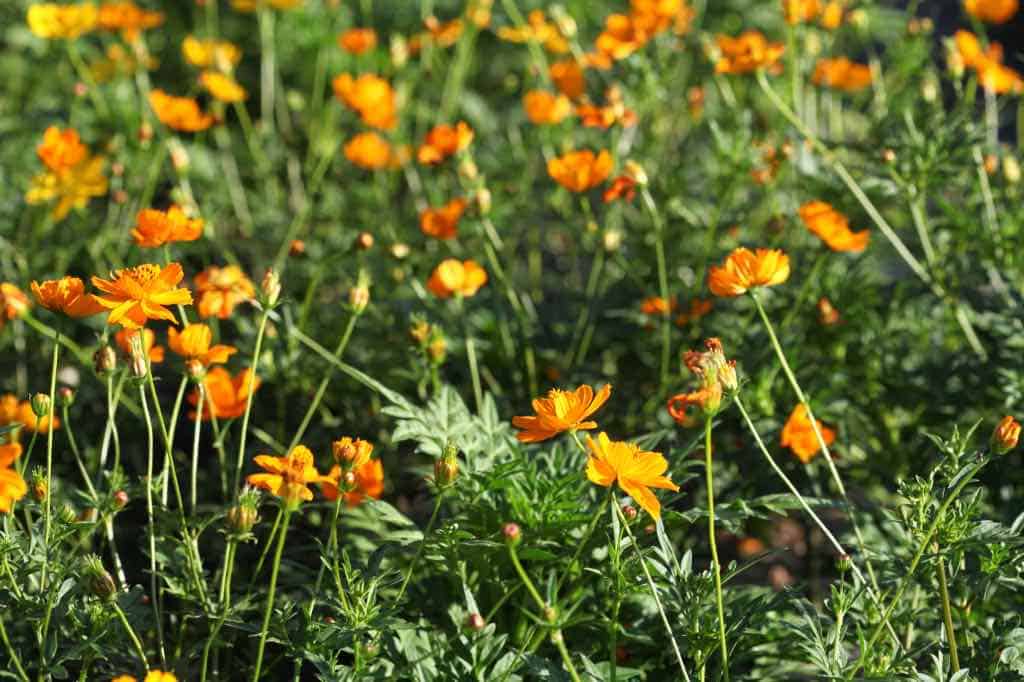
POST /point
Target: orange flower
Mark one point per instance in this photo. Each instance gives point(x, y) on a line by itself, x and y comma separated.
point(366, 480)
point(154, 227)
point(635, 470)
point(358, 40)
point(827, 313)
point(842, 74)
point(128, 18)
point(457, 278)
point(580, 171)
point(66, 295)
point(226, 396)
point(351, 453)
point(993, 75)
point(136, 295)
point(205, 54)
point(747, 53)
point(369, 96)
point(800, 11)
point(73, 186)
point(699, 307)
point(656, 305)
point(622, 36)
point(288, 476)
point(252, 5)
point(594, 116)
point(369, 150)
point(61, 150)
point(8, 409)
point(657, 15)
point(744, 269)
point(537, 28)
point(716, 374)
point(568, 77)
point(155, 353)
point(28, 419)
point(221, 289)
point(179, 113)
point(50, 20)
point(443, 141)
point(833, 227)
point(561, 411)
point(832, 15)
point(12, 485)
point(443, 223)
point(992, 11)
point(223, 88)
point(798, 435)
point(193, 343)
point(443, 33)
point(622, 187)
point(544, 108)
point(1006, 435)
point(13, 302)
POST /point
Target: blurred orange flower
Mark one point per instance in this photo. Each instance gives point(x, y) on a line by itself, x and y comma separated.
point(561, 411)
point(128, 18)
point(366, 480)
point(369, 150)
point(443, 33)
point(443, 222)
point(747, 53)
point(827, 313)
point(745, 269)
point(28, 419)
point(154, 227)
point(179, 113)
point(12, 485)
point(206, 54)
point(443, 141)
point(800, 11)
point(635, 470)
point(832, 15)
point(622, 187)
point(252, 5)
point(993, 75)
point(220, 289)
point(287, 476)
point(544, 108)
point(658, 306)
point(580, 171)
point(594, 116)
point(136, 295)
point(193, 343)
point(833, 227)
point(567, 75)
point(459, 278)
point(61, 150)
point(124, 337)
point(621, 37)
point(358, 40)
point(369, 96)
point(992, 11)
point(226, 396)
point(798, 435)
point(537, 28)
point(842, 74)
point(699, 307)
point(66, 295)
point(50, 20)
point(223, 88)
point(13, 302)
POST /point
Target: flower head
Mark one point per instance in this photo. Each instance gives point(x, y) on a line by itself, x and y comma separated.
point(1006, 435)
point(358, 40)
point(220, 289)
point(545, 108)
point(193, 343)
point(798, 435)
point(288, 476)
point(252, 5)
point(61, 150)
point(13, 302)
point(635, 470)
point(443, 222)
point(206, 54)
point(124, 337)
point(369, 96)
point(623, 35)
point(154, 227)
point(747, 53)
point(128, 18)
point(136, 295)
point(800, 11)
point(443, 141)
point(222, 87)
point(537, 28)
point(716, 375)
point(622, 187)
point(226, 395)
point(992, 11)
point(460, 278)
point(66, 295)
point(179, 113)
point(833, 227)
point(993, 75)
point(50, 20)
point(561, 411)
point(568, 77)
point(369, 150)
point(580, 171)
point(72, 186)
point(365, 480)
point(745, 269)
point(12, 485)
point(842, 74)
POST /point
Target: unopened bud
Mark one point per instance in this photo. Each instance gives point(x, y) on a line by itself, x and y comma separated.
point(629, 511)
point(420, 331)
point(635, 171)
point(437, 350)
point(104, 360)
point(145, 132)
point(1006, 435)
point(364, 241)
point(120, 499)
point(399, 250)
point(81, 89)
point(446, 468)
point(513, 536)
point(550, 614)
point(67, 514)
point(65, 396)
point(888, 156)
point(611, 240)
point(97, 579)
point(270, 288)
point(359, 298)
point(88, 515)
point(399, 49)
point(475, 622)
point(844, 563)
point(297, 247)
point(119, 196)
point(39, 486)
point(41, 405)
point(564, 21)
point(483, 200)
point(195, 370)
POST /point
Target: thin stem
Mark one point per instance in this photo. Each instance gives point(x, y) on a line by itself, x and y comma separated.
point(659, 253)
point(77, 455)
point(269, 608)
point(154, 593)
point(225, 598)
point(49, 462)
point(266, 548)
point(947, 613)
point(10, 650)
point(136, 642)
point(248, 399)
point(195, 444)
point(423, 542)
point(717, 567)
point(267, 77)
point(582, 543)
point(559, 641)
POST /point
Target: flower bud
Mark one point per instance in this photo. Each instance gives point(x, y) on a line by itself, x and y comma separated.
point(991, 164)
point(1006, 435)
point(104, 360)
point(827, 313)
point(65, 396)
point(245, 514)
point(67, 514)
point(179, 159)
point(140, 366)
point(629, 511)
point(512, 534)
point(145, 132)
point(550, 614)
point(41, 405)
point(399, 49)
point(364, 241)
point(468, 169)
point(39, 485)
point(297, 247)
point(844, 563)
point(195, 370)
point(611, 240)
point(475, 622)
point(483, 200)
point(399, 250)
point(120, 499)
point(270, 288)
point(446, 468)
point(97, 580)
point(437, 350)
point(88, 515)
point(420, 331)
point(635, 171)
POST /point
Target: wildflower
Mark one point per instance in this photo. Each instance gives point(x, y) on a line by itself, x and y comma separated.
point(366, 480)
point(154, 227)
point(658, 15)
point(621, 37)
point(832, 15)
point(657, 306)
point(220, 289)
point(223, 88)
point(31, 421)
point(1006, 435)
point(992, 11)
point(833, 227)
point(124, 337)
point(351, 453)
point(568, 77)
point(561, 411)
point(800, 11)
point(537, 28)
point(61, 150)
point(595, 116)
point(747, 53)
point(443, 222)
point(635, 470)
point(128, 18)
point(50, 20)
point(443, 141)
point(993, 75)
point(358, 40)
point(369, 150)
point(716, 375)
point(744, 269)
point(622, 187)
point(13, 303)
point(545, 108)
point(73, 187)
point(580, 171)
point(205, 54)
point(179, 113)
point(226, 396)
point(12, 485)
point(798, 435)
point(8, 409)
point(369, 96)
point(288, 476)
point(841, 74)
point(827, 313)
point(135, 295)
point(66, 295)
point(459, 278)
point(699, 307)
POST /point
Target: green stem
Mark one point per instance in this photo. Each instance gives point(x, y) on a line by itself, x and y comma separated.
point(267, 77)
point(423, 542)
point(947, 613)
point(248, 400)
point(225, 598)
point(77, 455)
point(11, 652)
point(195, 444)
point(709, 473)
point(559, 641)
point(154, 593)
point(582, 543)
point(49, 462)
point(136, 642)
point(659, 253)
point(267, 546)
point(269, 608)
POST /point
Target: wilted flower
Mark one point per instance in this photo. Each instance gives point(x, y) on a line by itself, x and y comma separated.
point(635, 470)
point(580, 171)
point(288, 476)
point(179, 113)
point(443, 222)
point(66, 295)
point(135, 295)
point(561, 411)
point(370, 96)
point(154, 227)
point(833, 227)
point(443, 141)
point(798, 435)
point(453, 277)
point(220, 289)
point(744, 269)
point(747, 53)
point(842, 74)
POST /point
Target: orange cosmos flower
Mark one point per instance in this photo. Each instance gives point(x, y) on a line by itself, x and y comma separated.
point(154, 227)
point(287, 476)
point(8, 409)
point(223, 88)
point(12, 485)
point(179, 113)
point(226, 396)
point(66, 295)
point(443, 33)
point(621, 37)
point(351, 453)
point(798, 435)
point(13, 302)
point(221, 289)
point(128, 18)
point(656, 305)
point(61, 150)
point(635, 470)
point(832, 15)
point(537, 28)
point(580, 171)
point(594, 116)
point(369, 150)
point(358, 40)
point(747, 53)
point(193, 343)
point(453, 277)
point(568, 77)
point(622, 187)
point(369, 96)
point(136, 295)
point(842, 74)
point(124, 337)
point(699, 307)
point(544, 108)
point(657, 15)
point(833, 227)
point(992, 11)
point(443, 141)
point(800, 11)
point(561, 411)
point(205, 54)
point(50, 20)
point(28, 419)
point(993, 75)
point(744, 269)
point(73, 177)
point(716, 374)
point(366, 480)
point(443, 222)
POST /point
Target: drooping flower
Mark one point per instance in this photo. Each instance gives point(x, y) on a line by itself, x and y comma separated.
point(798, 435)
point(211, 54)
point(369, 150)
point(716, 375)
point(456, 278)
point(800, 11)
point(287, 477)
point(369, 96)
point(226, 396)
point(992, 11)
point(52, 21)
point(222, 87)
point(13, 303)
point(567, 75)
point(358, 40)
point(746, 53)
point(580, 171)
point(61, 150)
point(124, 337)
point(128, 18)
point(220, 289)
point(561, 411)
point(66, 295)
point(443, 222)
point(842, 74)
point(179, 113)
point(154, 227)
point(444, 141)
point(12, 485)
point(545, 108)
point(139, 294)
point(635, 470)
point(833, 227)
point(194, 343)
point(745, 269)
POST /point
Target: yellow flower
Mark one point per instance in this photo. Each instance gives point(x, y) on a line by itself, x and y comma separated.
point(561, 411)
point(205, 54)
point(453, 277)
point(193, 343)
point(635, 470)
point(136, 295)
point(50, 20)
point(288, 476)
point(72, 187)
point(370, 96)
point(800, 11)
point(745, 269)
point(223, 88)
